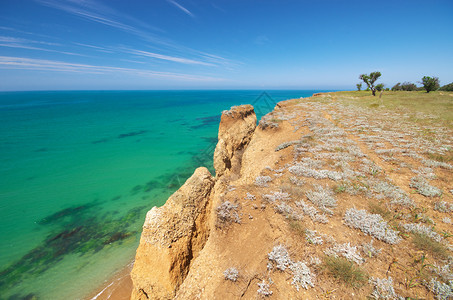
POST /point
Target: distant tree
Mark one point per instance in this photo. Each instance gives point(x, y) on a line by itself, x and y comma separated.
point(430, 83)
point(397, 87)
point(359, 86)
point(408, 86)
point(447, 87)
point(379, 87)
point(370, 80)
point(405, 86)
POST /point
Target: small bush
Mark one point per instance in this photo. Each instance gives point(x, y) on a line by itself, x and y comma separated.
point(424, 230)
point(280, 256)
point(383, 288)
point(302, 277)
point(443, 206)
point(371, 224)
point(369, 249)
point(312, 237)
point(276, 196)
point(424, 188)
point(264, 289)
point(442, 290)
point(323, 198)
point(345, 271)
point(262, 181)
point(227, 213)
point(312, 212)
point(231, 274)
point(347, 251)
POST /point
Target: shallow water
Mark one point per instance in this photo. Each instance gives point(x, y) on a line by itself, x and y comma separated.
point(79, 170)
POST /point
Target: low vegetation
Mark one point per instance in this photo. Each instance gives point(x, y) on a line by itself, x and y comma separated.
point(345, 271)
point(362, 182)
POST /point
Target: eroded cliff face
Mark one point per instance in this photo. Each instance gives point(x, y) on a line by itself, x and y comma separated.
point(174, 234)
point(172, 237)
point(235, 132)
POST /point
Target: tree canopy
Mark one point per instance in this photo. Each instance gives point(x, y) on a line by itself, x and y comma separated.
point(430, 83)
point(370, 80)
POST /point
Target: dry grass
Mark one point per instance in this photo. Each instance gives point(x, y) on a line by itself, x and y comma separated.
point(346, 271)
point(425, 243)
point(296, 227)
point(439, 104)
point(446, 158)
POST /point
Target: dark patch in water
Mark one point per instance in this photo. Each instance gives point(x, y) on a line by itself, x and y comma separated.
point(136, 189)
point(150, 185)
point(100, 141)
point(42, 150)
point(67, 212)
point(84, 231)
point(116, 198)
point(118, 236)
point(211, 140)
point(133, 133)
point(21, 297)
point(207, 121)
point(88, 233)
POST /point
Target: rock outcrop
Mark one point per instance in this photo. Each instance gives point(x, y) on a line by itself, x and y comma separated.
point(235, 132)
point(175, 233)
point(172, 236)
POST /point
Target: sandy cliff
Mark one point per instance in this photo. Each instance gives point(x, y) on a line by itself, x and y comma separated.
point(314, 185)
point(174, 234)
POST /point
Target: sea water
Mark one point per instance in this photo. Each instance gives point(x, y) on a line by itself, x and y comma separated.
point(80, 169)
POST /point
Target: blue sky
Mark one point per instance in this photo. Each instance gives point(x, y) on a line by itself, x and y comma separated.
point(221, 44)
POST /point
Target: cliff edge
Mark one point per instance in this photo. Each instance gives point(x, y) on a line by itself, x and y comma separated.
point(325, 198)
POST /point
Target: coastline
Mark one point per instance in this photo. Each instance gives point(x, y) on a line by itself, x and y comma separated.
point(117, 287)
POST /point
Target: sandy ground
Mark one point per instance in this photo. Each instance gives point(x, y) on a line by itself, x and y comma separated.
point(117, 287)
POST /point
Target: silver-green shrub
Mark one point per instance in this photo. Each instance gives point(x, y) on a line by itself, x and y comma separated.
point(371, 224)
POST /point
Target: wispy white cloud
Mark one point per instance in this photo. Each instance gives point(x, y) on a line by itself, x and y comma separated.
point(10, 39)
point(170, 58)
point(13, 42)
point(8, 62)
point(98, 48)
point(185, 10)
point(92, 11)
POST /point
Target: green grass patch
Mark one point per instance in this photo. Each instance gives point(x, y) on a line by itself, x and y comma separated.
point(339, 188)
point(446, 158)
point(380, 209)
point(346, 271)
point(437, 104)
point(296, 227)
point(425, 243)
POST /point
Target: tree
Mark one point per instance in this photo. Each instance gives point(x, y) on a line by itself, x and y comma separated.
point(430, 83)
point(447, 87)
point(408, 86)
point(370, 80)
point(397, 87)
point(359, 86)
point(405, 86)
point(379, 87)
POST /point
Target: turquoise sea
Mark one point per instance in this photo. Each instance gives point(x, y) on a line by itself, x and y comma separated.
point(80, 169)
